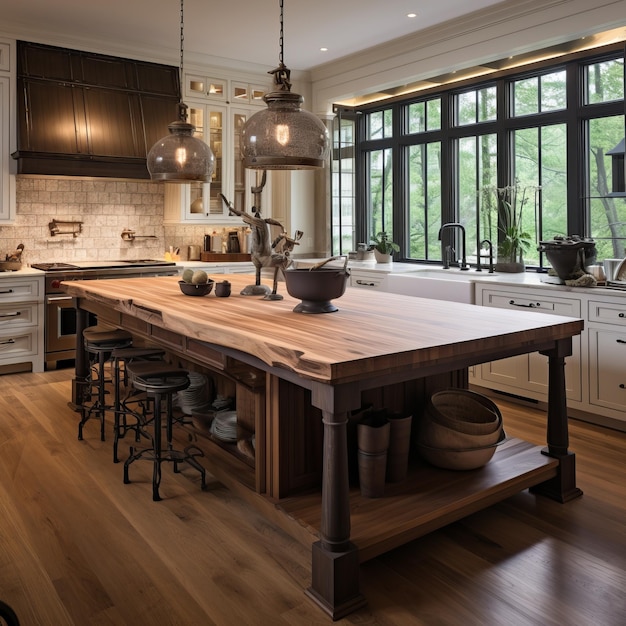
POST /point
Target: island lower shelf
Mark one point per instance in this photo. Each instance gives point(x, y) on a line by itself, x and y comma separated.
point(428, 499)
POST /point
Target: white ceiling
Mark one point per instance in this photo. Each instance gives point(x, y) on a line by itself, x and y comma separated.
point(241, 30)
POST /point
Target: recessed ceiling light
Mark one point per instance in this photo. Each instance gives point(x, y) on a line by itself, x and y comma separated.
point(323, 49)
point(411, 14)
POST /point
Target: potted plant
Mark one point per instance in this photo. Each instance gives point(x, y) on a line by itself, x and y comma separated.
point(383, 247)
point(514, 240)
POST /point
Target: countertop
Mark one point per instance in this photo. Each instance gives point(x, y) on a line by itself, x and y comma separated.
point(370, 332)
point(25, 271)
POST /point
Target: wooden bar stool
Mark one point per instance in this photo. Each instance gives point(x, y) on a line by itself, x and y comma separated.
point(99, 345)
point(160, 381)
point(121, 408)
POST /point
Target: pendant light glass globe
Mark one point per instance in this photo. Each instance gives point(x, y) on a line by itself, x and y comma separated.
point(180, 157)
point(284, 137)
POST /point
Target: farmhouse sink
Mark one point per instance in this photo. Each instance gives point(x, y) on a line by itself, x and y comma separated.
point(452, 284)
point(451, 274)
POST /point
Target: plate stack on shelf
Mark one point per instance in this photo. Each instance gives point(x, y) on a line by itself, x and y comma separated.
point(224, 426)
point(197, 397)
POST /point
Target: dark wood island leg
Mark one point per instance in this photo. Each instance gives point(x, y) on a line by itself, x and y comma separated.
point(80, 385)
point(335, 560)
point(563, 487)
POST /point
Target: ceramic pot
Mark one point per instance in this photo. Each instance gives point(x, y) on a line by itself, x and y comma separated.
point(381, 258)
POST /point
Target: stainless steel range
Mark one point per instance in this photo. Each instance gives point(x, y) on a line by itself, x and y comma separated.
point(60, 318)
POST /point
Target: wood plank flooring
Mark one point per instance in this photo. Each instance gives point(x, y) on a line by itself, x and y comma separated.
point(78, 547)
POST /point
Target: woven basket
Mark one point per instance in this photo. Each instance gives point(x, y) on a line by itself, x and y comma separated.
point(465, 411)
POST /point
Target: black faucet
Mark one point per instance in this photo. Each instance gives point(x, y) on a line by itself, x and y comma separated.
point(446, 265)
point(489, 245)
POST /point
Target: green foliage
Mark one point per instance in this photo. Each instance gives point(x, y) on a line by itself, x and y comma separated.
point(383, 244)
point(514, 240)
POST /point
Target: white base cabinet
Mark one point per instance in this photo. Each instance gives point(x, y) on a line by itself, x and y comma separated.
point(21, 324)
point(595, 372)
point(528, 373)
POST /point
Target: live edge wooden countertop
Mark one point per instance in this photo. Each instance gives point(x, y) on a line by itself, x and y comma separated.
point(371, 332)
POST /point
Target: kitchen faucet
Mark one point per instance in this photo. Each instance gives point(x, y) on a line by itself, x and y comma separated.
point(445, 257)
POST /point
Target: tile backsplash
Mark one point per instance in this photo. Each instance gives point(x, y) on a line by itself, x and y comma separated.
point(105, 207)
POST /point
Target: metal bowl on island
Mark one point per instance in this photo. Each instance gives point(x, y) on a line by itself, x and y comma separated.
point(317, 285)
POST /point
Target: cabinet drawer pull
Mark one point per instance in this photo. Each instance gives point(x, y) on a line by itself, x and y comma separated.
point(6, 342)
point(6, 291)
point(365, 284)
point(530, 305)
point(16, 314)
point(620, 341)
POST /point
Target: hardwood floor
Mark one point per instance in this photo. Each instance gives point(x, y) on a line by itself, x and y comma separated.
point(78, 547)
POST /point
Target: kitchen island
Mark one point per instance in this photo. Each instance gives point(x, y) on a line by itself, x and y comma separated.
point(374, 341)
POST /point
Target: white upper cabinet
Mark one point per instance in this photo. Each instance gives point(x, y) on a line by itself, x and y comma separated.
point(219, 123)
point(205, 87)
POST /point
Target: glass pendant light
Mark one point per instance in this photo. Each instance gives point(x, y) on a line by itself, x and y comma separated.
point(283, 136)
point(180, 157)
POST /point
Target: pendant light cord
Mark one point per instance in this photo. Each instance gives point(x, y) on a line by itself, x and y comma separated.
point(282, 74)
point(182, 38)
point(182, 107)
point(281, 39)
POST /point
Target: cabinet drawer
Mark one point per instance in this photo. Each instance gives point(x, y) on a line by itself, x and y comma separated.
point(368, 281)
point(18, 315)
point(21, 290)
point(608, 313)
point(22, 343)
point(531, 302)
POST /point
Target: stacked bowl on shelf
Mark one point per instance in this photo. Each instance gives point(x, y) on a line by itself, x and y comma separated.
point(460, 430)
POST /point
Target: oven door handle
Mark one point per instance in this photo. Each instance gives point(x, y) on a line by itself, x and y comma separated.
point(50, 299)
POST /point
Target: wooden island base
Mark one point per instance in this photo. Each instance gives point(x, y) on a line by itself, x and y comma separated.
point(299, 378)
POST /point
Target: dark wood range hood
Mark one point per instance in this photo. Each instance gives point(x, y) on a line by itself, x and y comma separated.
point(86, 114)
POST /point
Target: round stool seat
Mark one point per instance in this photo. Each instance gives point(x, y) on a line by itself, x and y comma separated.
point(111, 338)
point(157, 377)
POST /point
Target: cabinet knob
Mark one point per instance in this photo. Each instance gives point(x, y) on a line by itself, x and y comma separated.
point(622, 386)
point(621, 315)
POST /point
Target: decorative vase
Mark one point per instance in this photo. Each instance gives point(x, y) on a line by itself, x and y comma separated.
point(381, 257)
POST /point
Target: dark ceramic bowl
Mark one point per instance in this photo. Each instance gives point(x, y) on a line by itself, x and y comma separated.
point(189, 289)
point(316, 288)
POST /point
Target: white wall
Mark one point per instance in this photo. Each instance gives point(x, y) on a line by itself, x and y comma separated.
point(510, 28)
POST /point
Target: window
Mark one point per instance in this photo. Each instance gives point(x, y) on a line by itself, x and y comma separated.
point(424, 200)
point(553, 135)
point(380, 166)
point(343, 216)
